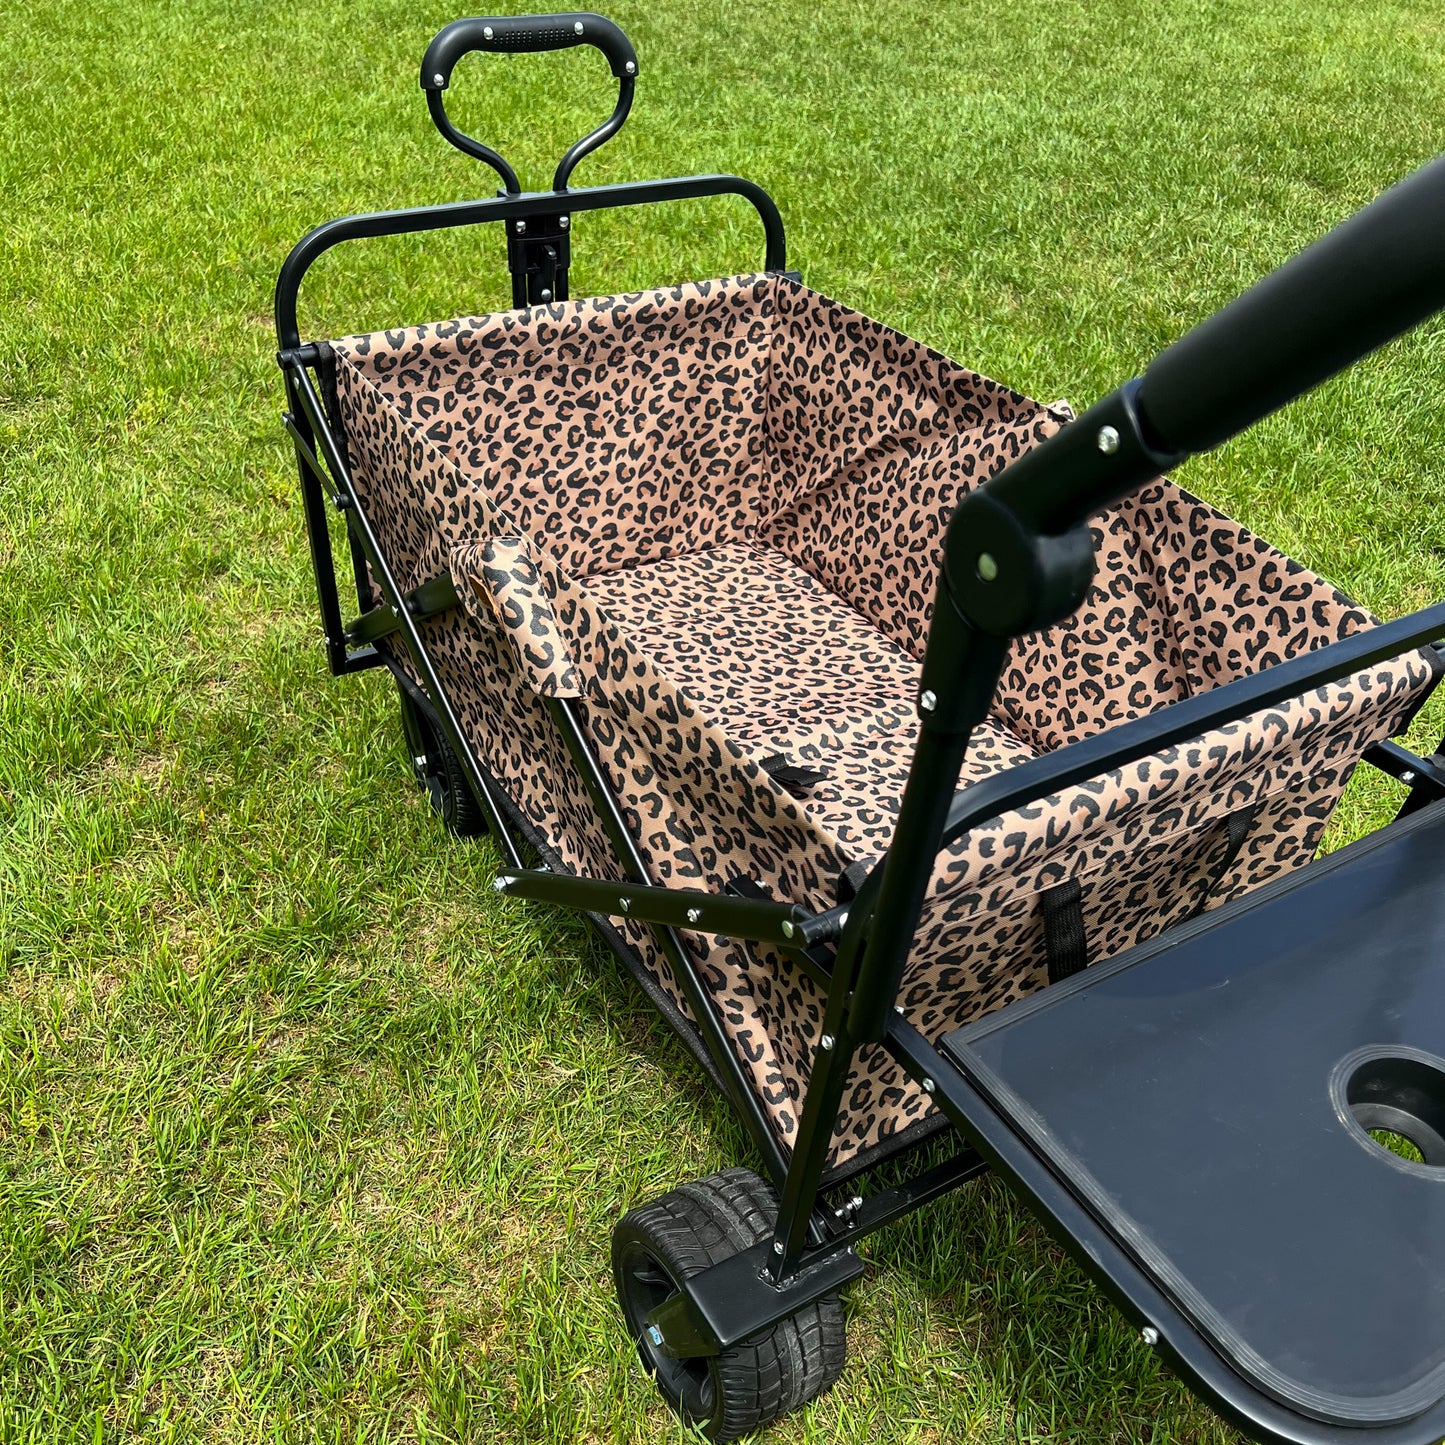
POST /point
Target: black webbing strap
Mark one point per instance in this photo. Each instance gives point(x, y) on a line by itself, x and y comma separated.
point(790, 776)
point(1236, 830)
point(1066, 941)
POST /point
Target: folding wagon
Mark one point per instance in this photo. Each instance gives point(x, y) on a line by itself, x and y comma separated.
point(934, 765)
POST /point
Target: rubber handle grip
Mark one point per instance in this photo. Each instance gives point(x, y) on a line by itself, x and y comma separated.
point(516, 34)
point(1370, 279)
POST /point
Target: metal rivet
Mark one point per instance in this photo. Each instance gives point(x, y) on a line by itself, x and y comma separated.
point(625, 904)
point(1407, 777)
point(777, 1246)
point(843, 919)
point(826, 1042)
point(927, 701)
point(788, 929)
point(1108, 440)
point(631, 67)
point(521, 228)
point(694, 915)
point(1149, 1335)
point(578, 27)
point(987, 567)
point(487, 33)
point(856, 1202)
point(438, 79)
point(396, 611)
point(546, 294)
point(927, 1085)
point(655, 1335)
point(565, 222)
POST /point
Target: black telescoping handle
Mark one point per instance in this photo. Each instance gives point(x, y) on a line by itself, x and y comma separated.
point(1018, 558)
point(514, 34)
point(1370, 279)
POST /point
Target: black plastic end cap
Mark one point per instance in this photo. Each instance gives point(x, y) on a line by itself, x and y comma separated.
point(1008, 580)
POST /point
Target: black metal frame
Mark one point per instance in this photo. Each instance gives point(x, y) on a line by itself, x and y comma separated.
point(1017, 557)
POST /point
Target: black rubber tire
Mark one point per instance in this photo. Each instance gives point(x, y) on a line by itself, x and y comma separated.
point(754, 1383)
point(438, 770)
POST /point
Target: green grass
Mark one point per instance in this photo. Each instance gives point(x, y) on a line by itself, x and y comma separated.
point(1398, 1144)
point(305, 1135)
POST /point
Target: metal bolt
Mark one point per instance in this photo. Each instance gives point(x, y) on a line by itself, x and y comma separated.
point(1149, 1335)
point(1408, 776)
point(987, 567)
point(438, 80)
point(927, 1085)
point(777, 1246)
point(487, 33)
point(1108, 440)
point(826, 1042)
point(632, 67)
point(655, 1335)
point(856, 1202)
point(521, 228)
point(694, 915)
point(565, 222)
point(927, 701)
point(578, 27)
point(788, 929)
point(625, 904)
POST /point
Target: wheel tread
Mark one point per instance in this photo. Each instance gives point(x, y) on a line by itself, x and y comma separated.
point(703, 1222)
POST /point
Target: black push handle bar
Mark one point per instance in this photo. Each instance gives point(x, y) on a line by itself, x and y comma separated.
point(1370, 279)
point(1017, 557)
point(516, 34)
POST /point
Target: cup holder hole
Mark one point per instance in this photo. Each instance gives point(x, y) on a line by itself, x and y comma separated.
point(1395, 1099)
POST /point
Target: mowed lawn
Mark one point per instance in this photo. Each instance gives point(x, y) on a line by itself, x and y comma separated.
point(304, 1134)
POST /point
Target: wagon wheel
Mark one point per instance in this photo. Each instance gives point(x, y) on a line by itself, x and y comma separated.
point(765, 1377)
point(438, 770)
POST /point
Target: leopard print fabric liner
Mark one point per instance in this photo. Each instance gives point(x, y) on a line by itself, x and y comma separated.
point(714, 513)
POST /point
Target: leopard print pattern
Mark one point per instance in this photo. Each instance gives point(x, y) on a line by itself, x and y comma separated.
point(766, 651)
point(714, 514)
point(504, 571)
point(610, 431)
point(1142, 840)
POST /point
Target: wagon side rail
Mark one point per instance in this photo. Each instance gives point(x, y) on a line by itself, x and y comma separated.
point(526, 207)
point(402, 613)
